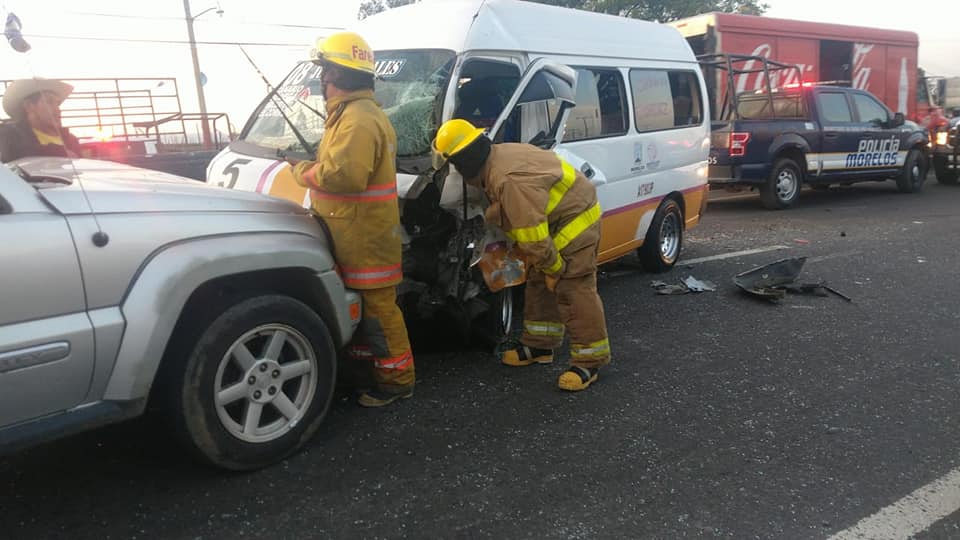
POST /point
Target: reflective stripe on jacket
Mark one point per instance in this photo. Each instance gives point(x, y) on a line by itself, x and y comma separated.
point(353, 188)
point(541, 202)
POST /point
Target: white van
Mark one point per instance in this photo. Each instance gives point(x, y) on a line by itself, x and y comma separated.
point(626, 96)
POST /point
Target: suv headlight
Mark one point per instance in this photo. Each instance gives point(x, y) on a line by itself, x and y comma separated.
point(942, 138)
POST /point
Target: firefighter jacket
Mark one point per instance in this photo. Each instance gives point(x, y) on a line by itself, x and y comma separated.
point(544, 205)
point(353, 188)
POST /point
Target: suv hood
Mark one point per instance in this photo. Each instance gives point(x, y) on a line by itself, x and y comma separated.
point(118, 188)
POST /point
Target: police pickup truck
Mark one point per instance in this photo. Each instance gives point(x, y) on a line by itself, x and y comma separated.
point(778, 140)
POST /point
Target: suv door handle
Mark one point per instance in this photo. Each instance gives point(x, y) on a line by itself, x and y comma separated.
point(831, 135)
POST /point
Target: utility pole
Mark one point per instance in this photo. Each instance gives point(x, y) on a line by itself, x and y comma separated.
point(196, 73)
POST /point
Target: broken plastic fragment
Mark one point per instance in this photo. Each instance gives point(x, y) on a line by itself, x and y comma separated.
point(766, 281)
point(695, 285)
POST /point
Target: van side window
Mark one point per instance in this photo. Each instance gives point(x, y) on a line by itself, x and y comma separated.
point(601, 109)
point(834, 107)
point(484, 87)
point(665, 99)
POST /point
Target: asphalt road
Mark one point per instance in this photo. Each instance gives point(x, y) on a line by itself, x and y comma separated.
point(721, 416)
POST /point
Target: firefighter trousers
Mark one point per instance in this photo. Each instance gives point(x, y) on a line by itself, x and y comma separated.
point(574, 305)
point(381, 341)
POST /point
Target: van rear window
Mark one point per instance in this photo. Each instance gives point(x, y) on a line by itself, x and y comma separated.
point(665, 99)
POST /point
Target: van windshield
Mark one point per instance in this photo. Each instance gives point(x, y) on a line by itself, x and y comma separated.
point(409, 88)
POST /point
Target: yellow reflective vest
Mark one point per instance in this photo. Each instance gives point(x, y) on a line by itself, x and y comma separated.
point(353, 188)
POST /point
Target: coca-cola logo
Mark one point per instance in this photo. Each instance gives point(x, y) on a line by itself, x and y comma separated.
point(756, 81)
point(861, 73)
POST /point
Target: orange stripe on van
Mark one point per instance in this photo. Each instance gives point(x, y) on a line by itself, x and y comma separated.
point(285, 187)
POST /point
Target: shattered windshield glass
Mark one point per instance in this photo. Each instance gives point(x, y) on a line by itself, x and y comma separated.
point(409, 88)
point(300, 98)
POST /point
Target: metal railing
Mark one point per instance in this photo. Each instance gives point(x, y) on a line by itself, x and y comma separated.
point(137, 109)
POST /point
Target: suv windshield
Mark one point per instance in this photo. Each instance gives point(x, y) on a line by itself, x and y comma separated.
point(409, 87)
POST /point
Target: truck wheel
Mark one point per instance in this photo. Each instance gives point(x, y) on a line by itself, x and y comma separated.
point(914, 171)
point(661, 247)
point(944, 174)
point(782, 188)
point(255, 385)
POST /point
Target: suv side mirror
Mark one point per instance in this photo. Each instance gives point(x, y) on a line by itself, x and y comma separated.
point(898, 120)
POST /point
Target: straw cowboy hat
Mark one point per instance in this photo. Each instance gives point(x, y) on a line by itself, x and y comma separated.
point(20, 90)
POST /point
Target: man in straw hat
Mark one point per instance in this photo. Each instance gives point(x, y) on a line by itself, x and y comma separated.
point(35, 129)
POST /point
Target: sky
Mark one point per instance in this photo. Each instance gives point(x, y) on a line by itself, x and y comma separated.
point(234, 87)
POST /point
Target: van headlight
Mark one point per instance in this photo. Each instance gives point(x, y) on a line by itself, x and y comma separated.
point(942, 138)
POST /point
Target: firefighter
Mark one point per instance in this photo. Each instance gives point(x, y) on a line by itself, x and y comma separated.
point(353, 188)
point(550, 210)
point(35, 130)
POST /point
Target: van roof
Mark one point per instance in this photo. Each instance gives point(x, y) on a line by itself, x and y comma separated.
point(511, 25)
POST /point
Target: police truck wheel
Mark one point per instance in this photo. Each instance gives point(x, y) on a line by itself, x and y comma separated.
point(913, 173)
point(661, 247)
point(254, 384)
point(782, 188)
point(944, 174)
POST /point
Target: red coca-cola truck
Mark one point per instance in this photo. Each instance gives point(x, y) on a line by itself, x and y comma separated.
point(882, 62)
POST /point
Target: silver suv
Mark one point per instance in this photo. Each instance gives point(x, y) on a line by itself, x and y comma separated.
point(121, 287)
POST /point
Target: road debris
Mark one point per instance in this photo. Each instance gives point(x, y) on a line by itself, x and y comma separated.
point(773, 281)
point(695, 285)
point(687, 285)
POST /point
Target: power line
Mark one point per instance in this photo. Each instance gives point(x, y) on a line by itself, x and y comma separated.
point(180, 19)
point(166, 41)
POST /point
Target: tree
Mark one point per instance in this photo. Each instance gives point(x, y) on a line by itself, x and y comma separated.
point(662, 10)
point(371, 7)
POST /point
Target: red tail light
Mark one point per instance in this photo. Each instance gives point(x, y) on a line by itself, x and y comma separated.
point(738, 144)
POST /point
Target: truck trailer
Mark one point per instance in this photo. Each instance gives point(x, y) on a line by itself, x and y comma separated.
point(882, 62)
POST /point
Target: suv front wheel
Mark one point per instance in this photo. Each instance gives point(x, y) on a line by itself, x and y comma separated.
point(255, 384)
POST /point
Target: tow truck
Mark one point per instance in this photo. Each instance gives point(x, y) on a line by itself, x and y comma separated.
point(775, 139)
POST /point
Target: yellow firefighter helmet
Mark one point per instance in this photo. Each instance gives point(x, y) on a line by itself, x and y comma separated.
point(345, 49)
point(453, 136)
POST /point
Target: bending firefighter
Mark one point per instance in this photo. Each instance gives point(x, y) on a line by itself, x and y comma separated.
point(550, 211)
point(353, 188)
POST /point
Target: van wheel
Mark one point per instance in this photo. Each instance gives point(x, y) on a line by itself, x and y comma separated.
point(503, 320)
point(944, 174)
point(913, 173)
point(661, 247)
point(782, 188)
point(255, 385)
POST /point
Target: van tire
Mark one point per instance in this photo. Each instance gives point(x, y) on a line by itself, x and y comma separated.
point(945, 175)
point(914, 172)
point(194, 366)
point(782, 188)
point(661, 248)
point(502, 322)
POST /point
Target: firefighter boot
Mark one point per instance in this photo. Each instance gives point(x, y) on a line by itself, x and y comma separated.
point(576, 378)
point(524, 356)
point(381, 398)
